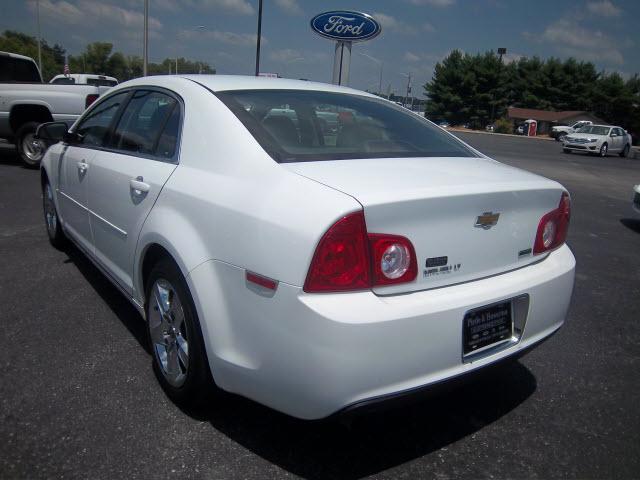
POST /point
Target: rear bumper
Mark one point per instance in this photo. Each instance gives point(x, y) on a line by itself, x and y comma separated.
point(311, 356)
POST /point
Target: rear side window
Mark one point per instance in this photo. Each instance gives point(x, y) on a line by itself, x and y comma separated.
point(64, 81)
point(101, 82)
point(18, 70)
point(146, 124)
point(94, 128)
point(305, 125)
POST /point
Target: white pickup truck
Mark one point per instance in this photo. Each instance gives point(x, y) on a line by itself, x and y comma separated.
point(26, 102)
point(561, 131)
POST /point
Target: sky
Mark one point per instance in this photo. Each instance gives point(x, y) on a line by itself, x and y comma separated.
point(416, 34)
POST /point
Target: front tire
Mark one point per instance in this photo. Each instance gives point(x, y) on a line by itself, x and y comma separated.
point(561, 137)
point(56, 236)
point(29, 149)
point(566, 150)
point(603, 150)
point(179, 358)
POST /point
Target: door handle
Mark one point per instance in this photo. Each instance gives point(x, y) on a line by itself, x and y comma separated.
point(82, 166)
point(139, 186)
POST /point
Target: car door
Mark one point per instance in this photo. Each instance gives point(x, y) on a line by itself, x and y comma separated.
point(127, 177)
point(75, 165)
point(617, 140)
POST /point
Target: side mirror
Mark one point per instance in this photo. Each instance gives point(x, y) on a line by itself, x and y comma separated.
point(613, 134)
point(52, 132)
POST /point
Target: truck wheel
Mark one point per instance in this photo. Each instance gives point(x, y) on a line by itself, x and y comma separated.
point(625, 152)
point(29, 149)
point(561, 137)
point(566, 150)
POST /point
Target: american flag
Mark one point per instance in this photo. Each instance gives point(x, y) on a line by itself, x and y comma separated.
point(66, 65)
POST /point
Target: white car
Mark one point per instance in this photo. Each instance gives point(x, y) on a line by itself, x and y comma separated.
point(559, 132)
point(310, 270)
point(598, 139)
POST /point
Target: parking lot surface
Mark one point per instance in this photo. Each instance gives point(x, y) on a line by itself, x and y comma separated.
point(79, 398)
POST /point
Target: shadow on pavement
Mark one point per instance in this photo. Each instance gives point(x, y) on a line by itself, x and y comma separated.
point(631, 224)
point(112, 297)
point(369, 443)
point(373, 442)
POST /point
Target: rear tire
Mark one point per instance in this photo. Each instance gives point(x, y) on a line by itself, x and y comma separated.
point(603, 150)
point(56, 236)
point(177, 347)
point(625, 151)
point(29, 149)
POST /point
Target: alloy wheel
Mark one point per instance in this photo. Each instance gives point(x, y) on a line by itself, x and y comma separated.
point(33, 148)
point(50, 214)
point(168, 332)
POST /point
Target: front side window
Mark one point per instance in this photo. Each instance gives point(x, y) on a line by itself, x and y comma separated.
point(93, 128)
point(300, 125)
point(147, 123)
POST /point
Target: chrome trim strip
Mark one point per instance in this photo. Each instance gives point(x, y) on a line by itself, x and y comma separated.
point(119, 230)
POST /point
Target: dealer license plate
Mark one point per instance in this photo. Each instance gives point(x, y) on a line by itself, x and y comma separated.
point(486, 326)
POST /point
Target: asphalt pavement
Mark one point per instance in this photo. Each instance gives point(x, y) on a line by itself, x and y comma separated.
point(79, 398)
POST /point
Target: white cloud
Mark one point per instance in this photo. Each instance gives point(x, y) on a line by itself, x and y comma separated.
point(434, 3)
point(604, 8)
point(241, 7)
point(290, 7)
point(411, 57)
point(284, 55)
point(571, 39)
point(228, 38)
point(393, 24)
point(92, 12)
point(427, 27)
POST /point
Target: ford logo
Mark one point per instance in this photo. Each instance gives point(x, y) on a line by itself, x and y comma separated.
point(345, 26)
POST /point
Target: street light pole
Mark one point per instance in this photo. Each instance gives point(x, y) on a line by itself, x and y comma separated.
point(39, 36)
point(258, 38)
point(145, 41)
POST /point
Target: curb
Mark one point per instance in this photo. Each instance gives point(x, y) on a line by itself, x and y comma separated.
point(480, 132)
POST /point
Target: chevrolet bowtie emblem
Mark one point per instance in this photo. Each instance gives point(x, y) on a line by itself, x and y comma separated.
point(487, 220)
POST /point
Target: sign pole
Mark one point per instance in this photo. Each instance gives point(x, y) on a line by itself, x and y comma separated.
point(341, 63)
point(258, 38)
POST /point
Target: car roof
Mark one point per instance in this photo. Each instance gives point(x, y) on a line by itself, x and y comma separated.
point(221, 83)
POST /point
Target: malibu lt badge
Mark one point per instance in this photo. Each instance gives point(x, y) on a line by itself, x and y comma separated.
point(487, 220)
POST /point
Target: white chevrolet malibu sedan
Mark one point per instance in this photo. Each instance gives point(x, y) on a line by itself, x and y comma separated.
point(312, 247)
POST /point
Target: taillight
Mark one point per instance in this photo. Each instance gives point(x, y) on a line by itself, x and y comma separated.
point(394, 259)
point(341, 260)
point(553, 227)
point(92, 97)
point(347, 258)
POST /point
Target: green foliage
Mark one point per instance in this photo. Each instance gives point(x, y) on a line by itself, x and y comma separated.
point(478, 88)
point(502, 126)
point(98, 58)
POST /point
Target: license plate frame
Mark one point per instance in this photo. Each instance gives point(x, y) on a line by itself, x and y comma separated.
point(487, 327)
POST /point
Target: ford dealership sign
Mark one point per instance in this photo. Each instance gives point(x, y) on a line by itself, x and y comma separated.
point(345, 26)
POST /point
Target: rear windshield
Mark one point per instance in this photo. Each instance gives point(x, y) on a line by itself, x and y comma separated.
point(101, 82)
point(300, 125)
point(18, 70)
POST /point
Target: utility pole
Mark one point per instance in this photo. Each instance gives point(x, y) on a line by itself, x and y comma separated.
point(39, 36)
point(145, 48)
point(501, 51)
point(258, 38)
